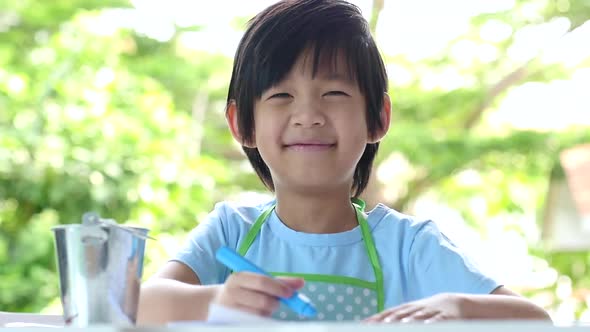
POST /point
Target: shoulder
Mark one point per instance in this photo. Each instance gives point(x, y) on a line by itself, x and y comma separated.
point(401, 230)
point(229, 221)
point(236, 212)
point(384, 218)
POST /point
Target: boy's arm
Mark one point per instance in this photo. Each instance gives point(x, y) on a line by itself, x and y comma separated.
point(503, 304)
point(173, 294)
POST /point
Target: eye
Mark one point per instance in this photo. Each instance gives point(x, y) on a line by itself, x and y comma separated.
point(280, 95)
point(336, 93)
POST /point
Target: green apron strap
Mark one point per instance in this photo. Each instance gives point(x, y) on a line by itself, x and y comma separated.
point(358, 204)
point(251, 236)
point(373, 257)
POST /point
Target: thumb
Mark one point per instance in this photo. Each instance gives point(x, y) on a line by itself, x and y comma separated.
point(294, 283)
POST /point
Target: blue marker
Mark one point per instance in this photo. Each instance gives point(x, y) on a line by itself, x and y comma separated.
point(297, 302)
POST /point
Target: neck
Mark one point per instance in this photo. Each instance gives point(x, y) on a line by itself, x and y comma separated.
point(325, 213)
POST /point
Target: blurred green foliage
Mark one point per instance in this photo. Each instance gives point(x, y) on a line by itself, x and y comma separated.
point(96, 122)
point(133, 128)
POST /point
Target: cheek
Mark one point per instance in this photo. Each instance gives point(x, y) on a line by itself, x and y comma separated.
point(267, 131)
point(353, 121)
point(354, 132)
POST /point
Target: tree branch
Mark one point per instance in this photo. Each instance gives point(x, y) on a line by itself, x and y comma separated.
point(419, 185)
point(376, 10)
point(500, 87)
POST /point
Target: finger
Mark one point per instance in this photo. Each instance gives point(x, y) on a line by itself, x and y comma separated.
point(261, 283)
point(403, 314)
point(377, 317)
point(396, 315)
point(435, 319)
point(419, 315)
point(247, 300)
point(254, 311)
point(294, 283)
point(380, 316)
point(256, 302)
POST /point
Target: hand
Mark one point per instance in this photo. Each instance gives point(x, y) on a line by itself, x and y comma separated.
point(435, 308)
point(255, 293)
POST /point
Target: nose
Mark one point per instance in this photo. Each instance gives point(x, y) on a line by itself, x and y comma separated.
point(307, 115)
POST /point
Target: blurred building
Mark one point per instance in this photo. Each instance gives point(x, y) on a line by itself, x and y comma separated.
point(566, 220)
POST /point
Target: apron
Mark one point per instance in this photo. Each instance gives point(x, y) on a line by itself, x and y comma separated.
point(336, 298)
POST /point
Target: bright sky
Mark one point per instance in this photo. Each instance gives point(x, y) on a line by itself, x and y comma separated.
point(404, 25)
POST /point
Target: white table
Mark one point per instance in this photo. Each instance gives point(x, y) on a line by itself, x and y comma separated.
point(22, 322)
point(474, 326)
point(8, 319)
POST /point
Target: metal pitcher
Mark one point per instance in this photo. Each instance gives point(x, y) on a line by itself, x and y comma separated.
point(100, 267)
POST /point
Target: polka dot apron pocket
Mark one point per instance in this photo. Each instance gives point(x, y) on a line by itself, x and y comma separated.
point(334, 302)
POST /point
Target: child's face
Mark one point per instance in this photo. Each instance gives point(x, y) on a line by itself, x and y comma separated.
point(312, 131)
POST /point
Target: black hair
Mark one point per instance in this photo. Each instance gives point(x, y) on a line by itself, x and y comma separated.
point(273, 41)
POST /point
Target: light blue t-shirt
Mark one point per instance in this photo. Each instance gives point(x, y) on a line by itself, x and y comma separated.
point(418, 261)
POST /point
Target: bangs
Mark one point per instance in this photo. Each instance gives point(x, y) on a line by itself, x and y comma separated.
point(334, 58)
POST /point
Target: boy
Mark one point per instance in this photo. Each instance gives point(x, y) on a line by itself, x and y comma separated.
point(308, 102)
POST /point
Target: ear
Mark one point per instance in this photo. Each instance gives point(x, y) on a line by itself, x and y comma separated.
point(385, 118)
point(231, 116)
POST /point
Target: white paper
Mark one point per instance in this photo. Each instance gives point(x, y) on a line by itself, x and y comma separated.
point(25, 324)
point(219, 314)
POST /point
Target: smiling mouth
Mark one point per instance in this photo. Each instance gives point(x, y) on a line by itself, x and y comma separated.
point(309, 146)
